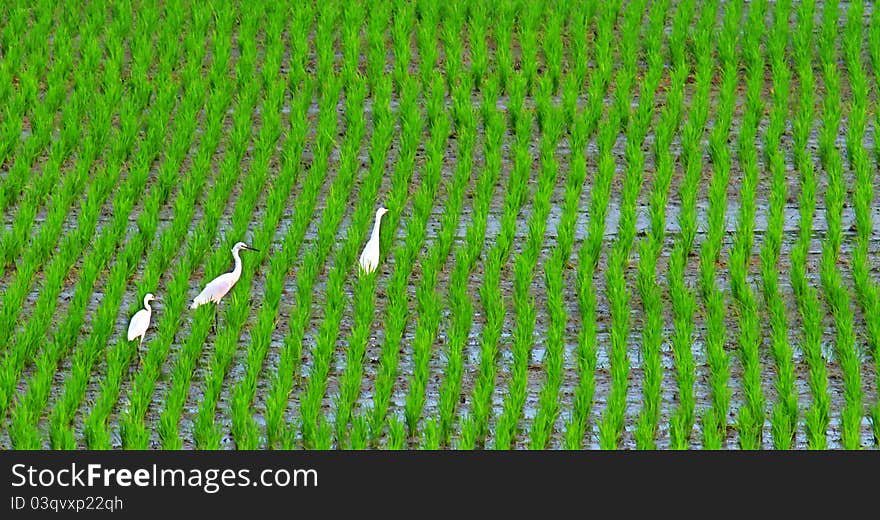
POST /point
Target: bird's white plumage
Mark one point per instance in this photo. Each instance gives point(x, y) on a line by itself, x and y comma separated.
point(139, 323)
point(369, 259)
point(218, 287)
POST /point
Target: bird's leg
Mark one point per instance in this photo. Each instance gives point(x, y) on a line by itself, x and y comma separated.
point(139, 356)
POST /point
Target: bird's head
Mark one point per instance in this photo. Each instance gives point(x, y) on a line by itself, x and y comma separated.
point(380, 212)
point(149, 297)
point(241, 245)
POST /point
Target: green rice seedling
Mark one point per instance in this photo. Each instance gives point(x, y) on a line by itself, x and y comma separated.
point(582, 128)
point(552, 127)
point(15, 29)
point(71, 109)
point(133, 430)
point(528, 21)
point(61, 432)
point(285, 376)
point(683, 298)
point(359, 435)
point(750, 419)
point(502, 34)
point(873, 39)
point(27, 103)
point(818, 414)
point(25, 344)
point(651, 246)
point(405, 255)
point(206, 432)
point(244, 427)
point(588, 254)
point(235, 309)
point(868, 297)
point(784, 415)
point(428, 300)
point(30, 407)
point(466, 257)
point(74, 184)
point(715, 420)
point(611, 424)
point(836, 295)
point(396, 434)
point(120, 355)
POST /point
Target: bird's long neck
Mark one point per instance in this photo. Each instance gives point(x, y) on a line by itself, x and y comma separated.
point(237, 270)
point(375, 235)
point(147, 304)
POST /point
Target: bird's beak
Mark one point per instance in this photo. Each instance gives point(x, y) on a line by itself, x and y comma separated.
point(252, 248)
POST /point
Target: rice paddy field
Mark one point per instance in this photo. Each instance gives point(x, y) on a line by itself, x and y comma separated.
point(641, 224)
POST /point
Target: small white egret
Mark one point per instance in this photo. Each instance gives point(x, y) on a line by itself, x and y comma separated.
point(139, 323)
point(218, 287)
point(370, 256)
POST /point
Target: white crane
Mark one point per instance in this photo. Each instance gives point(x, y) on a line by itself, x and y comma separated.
point(370, 256)
point(218, 287)
point(139, 323)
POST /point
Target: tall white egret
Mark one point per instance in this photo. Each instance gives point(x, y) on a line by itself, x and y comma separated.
point(139, 323)
point(370, 256)
point(218, 287)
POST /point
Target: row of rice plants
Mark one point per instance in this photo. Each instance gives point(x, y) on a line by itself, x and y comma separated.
point(170, 241)
point(637, 125)
point(42, 121)
point(874, 317)
point(61, 430)
point(651, 247)
point(551, 125)
point(600, 194)
point(15, 28)
point(131, 422)
point(351, 429)
point(582, 127)
point(866, 288)
point(288, 371)
point(26, 103)
point(29, 410)
point(405, 253)
point(715, 419)
point(206, 317)
point(750, 417)
point(428, 300)
point(467, 254)
point(684, 298)
point(92, 140)
point(316, 431)
point(784, 415)
point(244, 427)
point(835, 293)
point(24, 344)
point(206, 431)
point(818, 414)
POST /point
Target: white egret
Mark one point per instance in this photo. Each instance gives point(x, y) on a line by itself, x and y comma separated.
point(139, 323)
point(370, 256)
point(218, 287)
